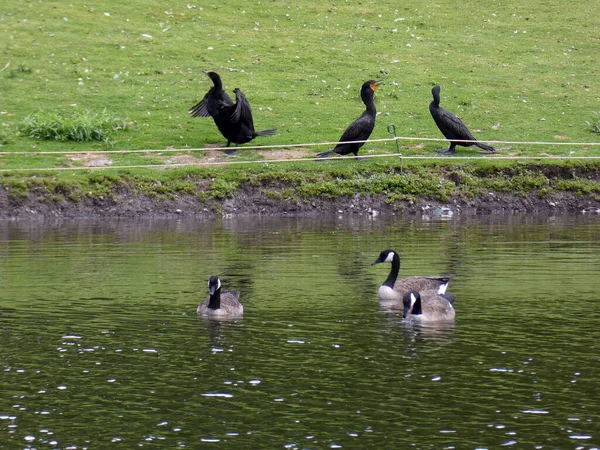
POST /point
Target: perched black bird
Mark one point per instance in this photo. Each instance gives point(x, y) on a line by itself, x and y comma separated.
point(451, 126)
point(361, 128)
point(233, 120)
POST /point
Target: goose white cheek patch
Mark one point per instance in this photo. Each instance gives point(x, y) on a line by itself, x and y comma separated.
point(390, 257)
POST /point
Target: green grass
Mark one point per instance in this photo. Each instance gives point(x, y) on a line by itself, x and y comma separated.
point(79, 126)
point(299, 182)
point(518, 71)
point(594, 123)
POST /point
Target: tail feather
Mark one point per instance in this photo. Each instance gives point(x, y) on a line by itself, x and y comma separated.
point(268, 132)
point(450, 298)
point(485, 147)
point(325, 154)
point(443, 287)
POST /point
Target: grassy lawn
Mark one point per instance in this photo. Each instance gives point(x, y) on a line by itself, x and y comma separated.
point(514, 71)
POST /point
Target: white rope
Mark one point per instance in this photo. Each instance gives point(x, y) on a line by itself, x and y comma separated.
point(285, 146)
point(269, 161)
point(308, 144)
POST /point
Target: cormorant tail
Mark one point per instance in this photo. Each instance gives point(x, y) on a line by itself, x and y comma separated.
point(268, 132)
point(486, 147)
point(325, 154)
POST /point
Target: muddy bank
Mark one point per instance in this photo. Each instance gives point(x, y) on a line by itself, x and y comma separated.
point(333, 187)
point(257, 201)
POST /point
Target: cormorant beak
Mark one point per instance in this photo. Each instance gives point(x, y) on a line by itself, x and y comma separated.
point(375, 85)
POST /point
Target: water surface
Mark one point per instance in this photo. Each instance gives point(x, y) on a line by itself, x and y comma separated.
point(101, 347)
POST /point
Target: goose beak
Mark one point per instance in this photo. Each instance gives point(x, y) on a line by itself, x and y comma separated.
point(405, 312)
point(377, 261)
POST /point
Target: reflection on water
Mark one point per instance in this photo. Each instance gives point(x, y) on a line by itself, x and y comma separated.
point(100, 343)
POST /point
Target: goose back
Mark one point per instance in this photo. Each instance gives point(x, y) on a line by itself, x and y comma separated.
point(427, 306)
point(220, 304)
point(229, 305)
point(392, 291)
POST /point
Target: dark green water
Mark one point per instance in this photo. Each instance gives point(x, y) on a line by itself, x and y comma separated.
point(100, 346)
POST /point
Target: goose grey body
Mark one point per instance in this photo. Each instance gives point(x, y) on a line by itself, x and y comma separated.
point(220, 303)
point(392, 291)
point(427, 307)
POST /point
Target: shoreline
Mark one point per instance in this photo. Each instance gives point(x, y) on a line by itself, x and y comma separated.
point(253, 202)
point(337, 187)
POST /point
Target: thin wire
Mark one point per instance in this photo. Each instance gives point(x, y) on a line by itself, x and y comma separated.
point(224, 163)
point(308, 144)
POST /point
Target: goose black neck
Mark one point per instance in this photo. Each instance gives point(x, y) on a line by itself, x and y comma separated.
point(215, 300)
point(391, 279)
point(417, 309)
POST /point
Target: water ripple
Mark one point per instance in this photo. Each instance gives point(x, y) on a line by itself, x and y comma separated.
point(109, 336)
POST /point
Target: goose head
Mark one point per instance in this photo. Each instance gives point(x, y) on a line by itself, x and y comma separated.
point(412, 304)
point(214, 284)
point(386, 256)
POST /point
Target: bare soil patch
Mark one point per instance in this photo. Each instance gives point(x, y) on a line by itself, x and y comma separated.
point(90, 159)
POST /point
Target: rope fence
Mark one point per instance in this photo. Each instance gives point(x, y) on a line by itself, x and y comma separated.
point(308, 144)
point(273, 147)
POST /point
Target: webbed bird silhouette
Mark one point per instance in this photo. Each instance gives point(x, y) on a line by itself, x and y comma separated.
point(361, 128)
point(234, 120)
point(452, 127)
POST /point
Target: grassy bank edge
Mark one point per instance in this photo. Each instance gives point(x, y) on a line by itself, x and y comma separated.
point(297, 183)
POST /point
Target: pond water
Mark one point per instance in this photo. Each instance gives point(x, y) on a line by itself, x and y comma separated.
point(101, 346)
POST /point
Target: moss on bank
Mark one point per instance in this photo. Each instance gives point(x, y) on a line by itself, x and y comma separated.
point(297, 183)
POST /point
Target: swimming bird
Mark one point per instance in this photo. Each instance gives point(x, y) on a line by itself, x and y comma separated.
point(392, 291)
point(234, 120)
point(429, 307)
point(361, 128)
point(220, 304)
point(452, 127)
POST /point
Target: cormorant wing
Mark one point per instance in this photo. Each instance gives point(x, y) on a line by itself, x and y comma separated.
point(359, 130)
point(242, 111)
point(200, 109)
point(458, 129)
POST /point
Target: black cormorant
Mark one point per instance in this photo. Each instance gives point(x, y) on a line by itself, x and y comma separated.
point(452, 127)
point(234, 120)
point(361, 128)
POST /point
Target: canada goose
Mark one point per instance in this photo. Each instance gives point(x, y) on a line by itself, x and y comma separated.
point(429, 307)
point(392, 290)
point(220, 304)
